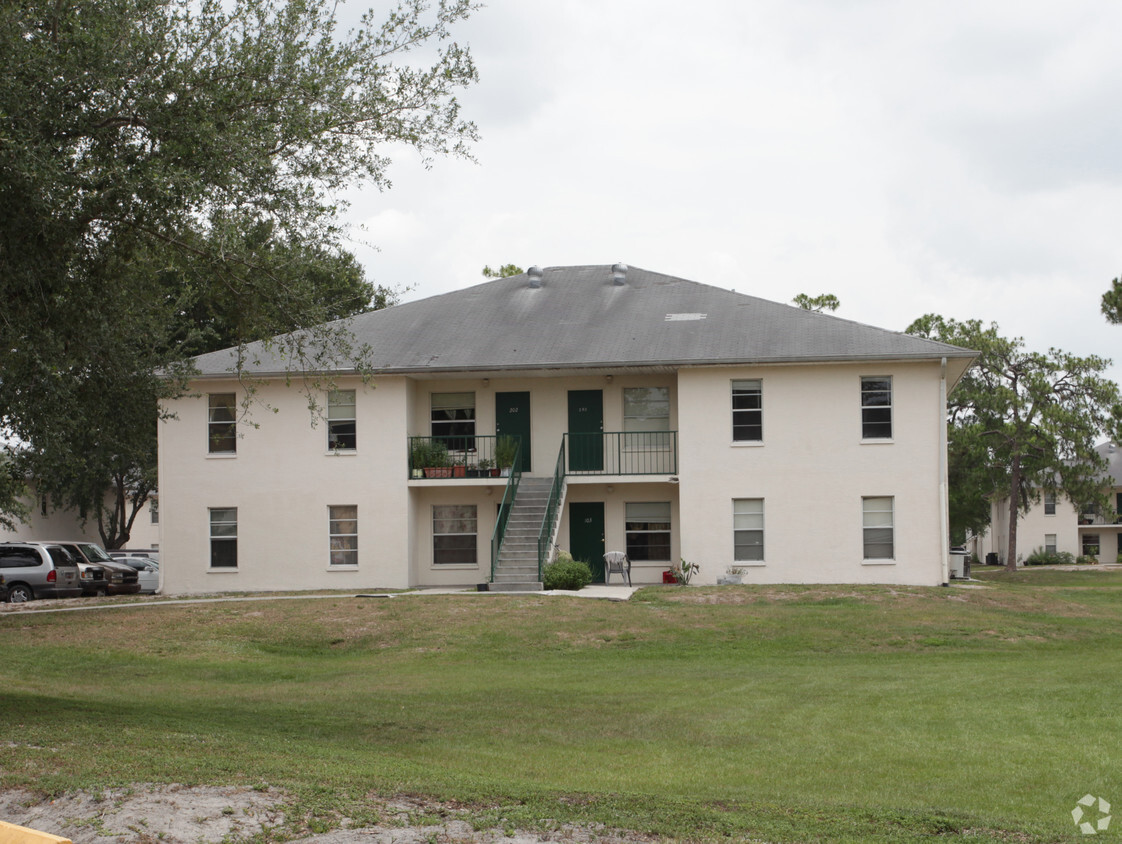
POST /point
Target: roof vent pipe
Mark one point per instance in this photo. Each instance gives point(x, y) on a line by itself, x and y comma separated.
point(535, 274)
point(619, 275)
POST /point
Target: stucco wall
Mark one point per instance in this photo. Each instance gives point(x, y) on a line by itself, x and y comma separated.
point(812, 470)
point(282, 480)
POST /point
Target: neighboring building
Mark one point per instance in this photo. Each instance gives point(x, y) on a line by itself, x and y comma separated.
point(1055, 524)
point(45, 522)
point(669, 418)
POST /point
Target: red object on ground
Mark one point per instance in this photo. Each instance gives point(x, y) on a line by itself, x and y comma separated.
point(668, 577)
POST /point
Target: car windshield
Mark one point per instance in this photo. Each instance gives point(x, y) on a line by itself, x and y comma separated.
point(94, 552)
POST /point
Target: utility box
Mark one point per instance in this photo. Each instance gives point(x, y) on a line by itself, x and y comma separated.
point(959, 559)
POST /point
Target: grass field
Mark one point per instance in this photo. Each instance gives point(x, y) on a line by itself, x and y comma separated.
point(773, 713)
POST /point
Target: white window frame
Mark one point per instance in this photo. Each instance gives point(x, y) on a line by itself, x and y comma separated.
point(747, 519)
point(747, 388)
point(869, 409)
point(1049, 543)
point(223, 537)
point(342, 415)
point(442, 517)
point(1049, 504)
point(873, 519)
point(219, 424)
point(342, 532)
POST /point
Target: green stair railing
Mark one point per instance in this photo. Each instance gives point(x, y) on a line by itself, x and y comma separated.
point(499, 533)
point(545, 536)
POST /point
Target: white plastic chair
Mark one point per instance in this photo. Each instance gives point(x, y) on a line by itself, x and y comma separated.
point(616, 561)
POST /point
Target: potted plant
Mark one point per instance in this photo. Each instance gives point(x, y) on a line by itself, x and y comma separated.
point(733, 574)
point(432, 458)
point(506, 449)
point(482, 469)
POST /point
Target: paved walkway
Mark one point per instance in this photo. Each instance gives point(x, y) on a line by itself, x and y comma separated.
point(608, 593)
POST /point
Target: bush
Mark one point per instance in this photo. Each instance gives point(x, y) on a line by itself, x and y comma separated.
point(1040, 557)
point(566, 573)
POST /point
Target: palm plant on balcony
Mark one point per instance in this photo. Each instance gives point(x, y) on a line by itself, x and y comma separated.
point(506, 449)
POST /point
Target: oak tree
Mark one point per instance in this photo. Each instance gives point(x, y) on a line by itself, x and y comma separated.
point(1022, 424)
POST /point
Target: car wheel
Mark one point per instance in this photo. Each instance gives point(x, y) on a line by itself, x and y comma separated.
point(19, 594)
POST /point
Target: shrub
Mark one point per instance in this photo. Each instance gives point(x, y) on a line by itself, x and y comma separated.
point(1040, 557)
point(566, 573)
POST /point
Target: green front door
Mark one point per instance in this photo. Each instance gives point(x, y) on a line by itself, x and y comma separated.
point(586, 535)
point(586, 430)
point(512, 416)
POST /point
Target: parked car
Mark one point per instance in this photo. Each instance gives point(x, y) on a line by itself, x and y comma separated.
point(120, 579)
point(152, 554)
point(38, 570)
point(147, 572)
point(93, 579)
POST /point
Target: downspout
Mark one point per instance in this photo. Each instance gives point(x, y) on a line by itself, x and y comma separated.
point(944, 503)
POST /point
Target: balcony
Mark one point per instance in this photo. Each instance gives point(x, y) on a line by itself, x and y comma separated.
point(601, 453)
point(621, 453)
point(462, 456)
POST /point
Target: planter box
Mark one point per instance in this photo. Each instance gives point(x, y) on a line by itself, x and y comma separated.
point(459, 471)
point(438, 471)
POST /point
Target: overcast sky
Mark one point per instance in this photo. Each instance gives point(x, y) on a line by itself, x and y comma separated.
point(963, 158)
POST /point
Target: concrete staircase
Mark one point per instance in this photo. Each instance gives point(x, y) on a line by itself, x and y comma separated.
point(517, 566)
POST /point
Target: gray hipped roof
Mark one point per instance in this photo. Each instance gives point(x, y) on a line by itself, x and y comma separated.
point(578, 318)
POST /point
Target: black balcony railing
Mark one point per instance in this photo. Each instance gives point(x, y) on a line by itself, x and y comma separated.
point(622, 453)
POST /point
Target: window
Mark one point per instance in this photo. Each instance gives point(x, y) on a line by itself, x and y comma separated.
point(878, 528)
point(876, 408)
point(1090, 545)
point(1050, 543)
point(748, 529)
point(646, 423)
point(647, 525)
point(222, 429)
point(747, 411)
point(154, 509)
point(454, 529)
point(646, 409)
point(343, 528)
point(453, 419)
point(1049, 504)
point(341, 429)
point(224, 537)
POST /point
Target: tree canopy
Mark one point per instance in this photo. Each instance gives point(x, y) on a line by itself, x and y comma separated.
point(1112, 302)
point(1021, 424)
point(170, 180)
point(825, 302)
point(505, 271)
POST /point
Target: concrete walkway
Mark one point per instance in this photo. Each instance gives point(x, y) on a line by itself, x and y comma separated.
point(596, 590)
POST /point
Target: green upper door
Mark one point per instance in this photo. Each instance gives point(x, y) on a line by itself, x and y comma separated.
point(512, 416)
point(586, 430)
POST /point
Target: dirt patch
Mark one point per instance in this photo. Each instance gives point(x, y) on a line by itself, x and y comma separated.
point(176, 814)
point(171, 814)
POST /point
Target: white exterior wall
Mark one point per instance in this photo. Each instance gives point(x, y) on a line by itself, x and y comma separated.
point(282, 480)
point(812, 470)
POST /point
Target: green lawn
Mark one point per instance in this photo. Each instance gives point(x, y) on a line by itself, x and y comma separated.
point(775, 713)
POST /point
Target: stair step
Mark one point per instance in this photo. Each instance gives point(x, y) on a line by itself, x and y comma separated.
point(533, 586)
